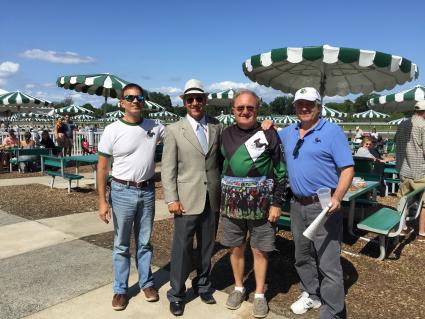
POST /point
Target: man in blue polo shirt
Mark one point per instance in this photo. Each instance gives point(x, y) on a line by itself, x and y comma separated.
point(317, 155)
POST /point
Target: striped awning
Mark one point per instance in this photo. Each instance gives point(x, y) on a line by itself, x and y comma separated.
point(164, 115)
point(370, 114)
point(73, 109)
point(83, 118)
point(331, 70)
point(287, 119)
point(328, 112)
point(17, 100)
point(398, 102)
point(398, 121)
point(115, 114)
point(332, 119)
point(222, 98)
point(226, 119)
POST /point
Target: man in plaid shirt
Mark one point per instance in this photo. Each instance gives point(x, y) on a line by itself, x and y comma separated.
point(410, 158)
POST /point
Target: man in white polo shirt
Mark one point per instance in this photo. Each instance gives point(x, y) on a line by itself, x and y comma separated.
point(131, 143)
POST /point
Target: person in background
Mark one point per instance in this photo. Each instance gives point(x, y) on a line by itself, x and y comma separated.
point(410, 159)
point(59, 135)
point(27, 162)
point(9, 142)
point(359, 135)
point(47, 142)
point(374, 134)
point(68, 130)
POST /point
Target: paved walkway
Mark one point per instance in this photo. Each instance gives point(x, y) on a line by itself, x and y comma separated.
point(48, 272)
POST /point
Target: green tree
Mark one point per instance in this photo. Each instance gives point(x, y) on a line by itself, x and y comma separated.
point(65, 102)
point(162, 99)
point(282, 105)
point(360, 103)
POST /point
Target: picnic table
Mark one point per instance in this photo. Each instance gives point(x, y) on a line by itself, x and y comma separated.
point(91, 159)
point(351, 197)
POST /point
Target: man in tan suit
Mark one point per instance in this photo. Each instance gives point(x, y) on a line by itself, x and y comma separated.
point(191, 183)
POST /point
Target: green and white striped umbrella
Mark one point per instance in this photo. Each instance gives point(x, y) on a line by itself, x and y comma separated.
point(109, 119)
point(222, 98)
point(164, 115)
point(264, 117)
point(73, 109)
point(226, 119)
point(115, 114)
point(398, 121)
point(332, 119)
point(331, 70)
point(105, 84)
point(328, 112)
point(83, 118)
point(287, 119)
point(370, 114)
point(19, 101)
point(153, 107)
point(399, 102)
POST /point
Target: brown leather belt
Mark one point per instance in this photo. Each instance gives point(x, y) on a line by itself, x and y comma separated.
point(309, 199)
point(134, 184)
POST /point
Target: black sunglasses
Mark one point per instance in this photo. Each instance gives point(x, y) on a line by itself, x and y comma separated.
point(297, 147)
point(130, 98)
point(241, 108)
point(198, 99)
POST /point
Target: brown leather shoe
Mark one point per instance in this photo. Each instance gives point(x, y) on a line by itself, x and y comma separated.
point(420, 238)
point(151, 294)
point(119, 302)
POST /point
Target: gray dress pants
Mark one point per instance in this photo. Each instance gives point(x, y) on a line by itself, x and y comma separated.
point(320, 255)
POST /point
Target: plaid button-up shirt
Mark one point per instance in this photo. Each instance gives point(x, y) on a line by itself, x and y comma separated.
point(410, 148)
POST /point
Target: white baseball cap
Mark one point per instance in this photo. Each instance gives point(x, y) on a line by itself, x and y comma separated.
point(307, 93)
point(193, 86)
point(420, 106)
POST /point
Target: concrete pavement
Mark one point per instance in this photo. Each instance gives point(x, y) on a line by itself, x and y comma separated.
point(48, 272)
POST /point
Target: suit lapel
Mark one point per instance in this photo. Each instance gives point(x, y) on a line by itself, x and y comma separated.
point(189, 134)
point(212, 134)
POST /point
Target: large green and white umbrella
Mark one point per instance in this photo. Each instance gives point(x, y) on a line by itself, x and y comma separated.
point(370, 114)
point(73, 109)
point(153, 107)
point(83, 118)
point(222, 98)
point(18, 101)
point(226, 119)
point(399, 102)
point(165, 115)
point(105, 84)
point(398, 121)
point(287, 119)
point(328, 112)
point(331, 70)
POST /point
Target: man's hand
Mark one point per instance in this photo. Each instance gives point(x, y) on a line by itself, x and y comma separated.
point(176, 208)
point(274, 214)
point(336, 205)
point(104, 212)
point(267, 124)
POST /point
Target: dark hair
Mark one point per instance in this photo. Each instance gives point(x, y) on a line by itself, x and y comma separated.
point(11, 132)
point(131, 86)
point(27, 135)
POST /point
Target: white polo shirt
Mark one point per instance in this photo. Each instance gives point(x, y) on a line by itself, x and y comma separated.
point(132, 146)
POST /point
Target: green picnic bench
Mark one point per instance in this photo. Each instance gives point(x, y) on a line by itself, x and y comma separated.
point(54, 166)
point(21, 155)
point(388, 223)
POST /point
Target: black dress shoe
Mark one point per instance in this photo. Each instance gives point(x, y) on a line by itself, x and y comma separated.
point(207, 298)
point(176, 308)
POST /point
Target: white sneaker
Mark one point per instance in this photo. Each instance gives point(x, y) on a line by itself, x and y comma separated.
point(304, 303)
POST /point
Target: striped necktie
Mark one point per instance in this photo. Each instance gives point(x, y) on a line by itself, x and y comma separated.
point(202, 138)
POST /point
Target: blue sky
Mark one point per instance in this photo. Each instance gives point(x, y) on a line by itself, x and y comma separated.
point(162, 44)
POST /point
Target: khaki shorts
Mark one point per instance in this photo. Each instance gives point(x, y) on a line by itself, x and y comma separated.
point(407, 185)
point(234, 232)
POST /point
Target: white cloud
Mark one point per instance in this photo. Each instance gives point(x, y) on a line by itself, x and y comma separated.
point(173, 92)
point(2, 81)
point(8, 68)
point(57, 57)
point(267, 94)
point(29, 86)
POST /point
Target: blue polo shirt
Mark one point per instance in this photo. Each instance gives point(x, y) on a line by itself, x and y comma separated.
point(324, 151)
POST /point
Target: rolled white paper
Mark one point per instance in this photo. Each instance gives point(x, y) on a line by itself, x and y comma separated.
point(311, 230)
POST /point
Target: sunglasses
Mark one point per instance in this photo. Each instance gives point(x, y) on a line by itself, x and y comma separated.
point(130, 98)
point(241, 108)
point(297, 147)
point(198, 99)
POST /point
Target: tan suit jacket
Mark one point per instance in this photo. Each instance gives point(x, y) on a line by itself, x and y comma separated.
point(187, 173)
